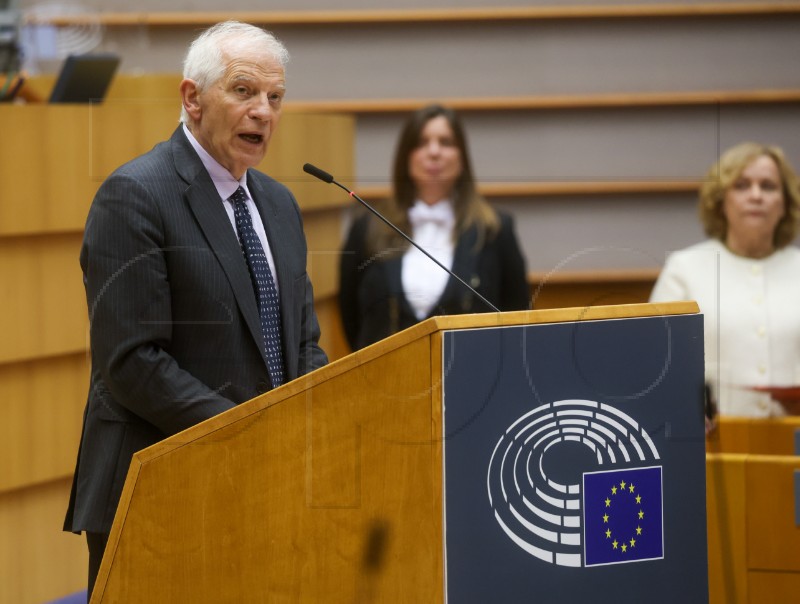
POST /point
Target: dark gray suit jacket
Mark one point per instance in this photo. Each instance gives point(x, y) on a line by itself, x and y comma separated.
point(175, 332)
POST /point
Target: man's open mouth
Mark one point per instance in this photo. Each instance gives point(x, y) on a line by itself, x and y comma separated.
point(253, 138)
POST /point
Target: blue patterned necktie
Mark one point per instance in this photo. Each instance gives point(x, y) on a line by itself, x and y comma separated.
point(266, 295)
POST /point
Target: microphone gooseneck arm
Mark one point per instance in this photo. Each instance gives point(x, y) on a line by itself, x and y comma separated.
point(327, 178)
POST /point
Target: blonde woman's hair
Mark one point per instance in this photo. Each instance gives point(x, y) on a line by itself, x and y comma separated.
point(724, 173)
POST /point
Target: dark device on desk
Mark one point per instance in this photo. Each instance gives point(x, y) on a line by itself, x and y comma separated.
point(84, 78)
point(9, 37)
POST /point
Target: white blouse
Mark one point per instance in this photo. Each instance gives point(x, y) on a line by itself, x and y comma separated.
point(751, 320)
point(432, 229)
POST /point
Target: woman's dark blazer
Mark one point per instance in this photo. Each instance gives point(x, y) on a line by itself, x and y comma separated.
point(371, 299)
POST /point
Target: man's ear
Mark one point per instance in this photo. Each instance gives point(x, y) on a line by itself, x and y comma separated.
point(190, 97)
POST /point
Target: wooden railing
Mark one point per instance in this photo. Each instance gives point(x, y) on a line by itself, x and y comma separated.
point(546, 189)
point(163, 86)
point(432, 15)
point(556, 102)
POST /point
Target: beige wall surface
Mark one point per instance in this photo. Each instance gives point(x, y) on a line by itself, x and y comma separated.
point(506, 58)
point(534, 57)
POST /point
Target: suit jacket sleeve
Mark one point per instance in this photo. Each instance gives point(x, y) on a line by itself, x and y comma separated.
point(128, 293)
point(350, 263)
point(514, 288)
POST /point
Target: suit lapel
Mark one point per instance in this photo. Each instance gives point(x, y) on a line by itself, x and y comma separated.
point(205, 204)
point(463, 265)
point(394, 273)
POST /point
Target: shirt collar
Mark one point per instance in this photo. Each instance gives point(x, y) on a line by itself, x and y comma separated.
point(223, 180)
point(440, 213)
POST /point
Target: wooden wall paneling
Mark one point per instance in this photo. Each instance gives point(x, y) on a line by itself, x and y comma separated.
point(591, 288)
point(774, 436)
point(753, 542)
point(41, 408)
point(126, 87)
point(326, 141)
point(323, 233)
point(773, 538)
point(43, 300)
point(775, 587)
point(40, 562)
point(727, 537)
point(121, 130)
point(332, 150)
point(44, 168)
point(332, 340)
point(87, 143)
point(54, 158)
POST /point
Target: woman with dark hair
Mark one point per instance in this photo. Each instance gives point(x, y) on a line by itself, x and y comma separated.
point(387, 285)
point(745, 279)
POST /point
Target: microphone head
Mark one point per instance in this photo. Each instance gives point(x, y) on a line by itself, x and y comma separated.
point(321, 174)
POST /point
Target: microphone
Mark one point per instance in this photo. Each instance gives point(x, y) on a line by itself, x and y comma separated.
point(328, 178)
point(322, 175)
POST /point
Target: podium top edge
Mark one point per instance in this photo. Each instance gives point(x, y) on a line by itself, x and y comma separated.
point(515, 318)
point(564, 315)
point(421, 330)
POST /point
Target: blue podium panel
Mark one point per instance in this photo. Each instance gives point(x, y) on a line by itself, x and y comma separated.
point(574, 462)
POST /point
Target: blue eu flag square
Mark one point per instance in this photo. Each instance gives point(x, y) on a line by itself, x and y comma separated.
point(623, 520)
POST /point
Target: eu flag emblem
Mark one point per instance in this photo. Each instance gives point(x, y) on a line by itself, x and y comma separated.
point(623, 519)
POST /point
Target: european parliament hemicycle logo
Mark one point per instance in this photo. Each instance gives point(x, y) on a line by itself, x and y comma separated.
point(612, 515)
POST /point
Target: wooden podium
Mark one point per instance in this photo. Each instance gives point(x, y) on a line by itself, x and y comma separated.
point(333, 488)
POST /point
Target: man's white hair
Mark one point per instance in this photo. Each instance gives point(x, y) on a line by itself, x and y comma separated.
point(205, 63)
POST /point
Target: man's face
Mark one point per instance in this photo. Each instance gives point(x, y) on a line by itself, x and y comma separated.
point(234, 118)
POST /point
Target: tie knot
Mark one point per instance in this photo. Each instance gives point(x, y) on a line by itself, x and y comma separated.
point(239, 196)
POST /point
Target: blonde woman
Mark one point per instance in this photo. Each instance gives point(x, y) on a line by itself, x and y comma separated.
point(745, 278)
